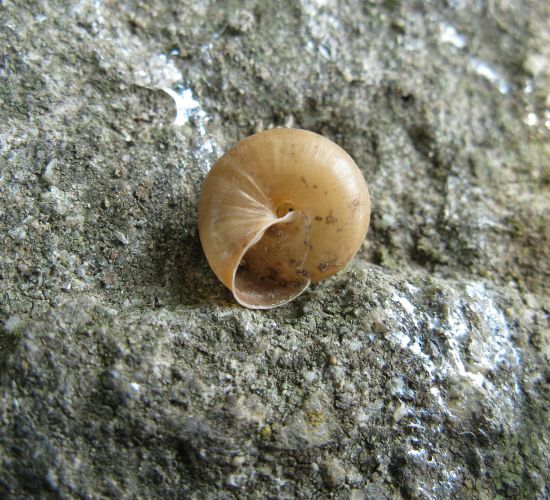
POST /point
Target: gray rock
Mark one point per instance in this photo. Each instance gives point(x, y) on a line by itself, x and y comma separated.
point(126, 368)
point(335, 475)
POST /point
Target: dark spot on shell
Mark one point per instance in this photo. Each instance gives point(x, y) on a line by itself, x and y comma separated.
point(326, 192)
point(318, 218)
point(355, 204)
point(330, 219)
point(327, 264)
point(302, 178)
point(339, 230)
point(314, 186)
point(272, 273)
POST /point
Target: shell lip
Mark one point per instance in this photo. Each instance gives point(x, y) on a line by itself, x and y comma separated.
point(240, 296)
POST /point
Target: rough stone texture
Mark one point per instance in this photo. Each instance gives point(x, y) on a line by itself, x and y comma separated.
point(127, 370)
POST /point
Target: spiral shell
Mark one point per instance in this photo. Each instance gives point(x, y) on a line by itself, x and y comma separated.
point(281, 209)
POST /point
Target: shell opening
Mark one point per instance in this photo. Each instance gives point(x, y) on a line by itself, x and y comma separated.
point(270, 272)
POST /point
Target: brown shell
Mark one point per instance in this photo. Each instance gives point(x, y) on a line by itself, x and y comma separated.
point(281, 209)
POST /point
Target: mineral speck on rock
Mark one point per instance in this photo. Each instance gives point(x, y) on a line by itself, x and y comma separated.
point(127, 370)
point(335, 475)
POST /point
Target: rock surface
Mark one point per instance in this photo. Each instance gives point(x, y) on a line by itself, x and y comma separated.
point(127, 370)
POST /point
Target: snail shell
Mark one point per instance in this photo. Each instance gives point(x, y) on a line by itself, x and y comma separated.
point(281, 209)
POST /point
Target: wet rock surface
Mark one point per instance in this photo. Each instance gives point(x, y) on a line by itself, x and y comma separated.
point(127, 369)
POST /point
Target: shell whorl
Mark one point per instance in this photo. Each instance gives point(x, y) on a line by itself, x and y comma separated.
point(281, 209)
